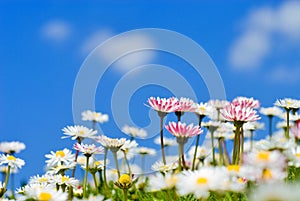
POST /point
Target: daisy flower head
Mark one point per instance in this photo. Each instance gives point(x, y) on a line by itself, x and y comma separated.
point(11, 161)
point(160, 182)
point(239, 113)
point(145, 151)
point(78, 132)
point(246, 102)
point(114, 144)
point(288, 103)
point(134, 131)
point(89, 115)
point(163, 105)
point(88, 149)
point(218, 104)
point(65, 180)
point(182, 130)
point(60, 157)
point(12, 147)
point(295, 129)
point(46, 194)
point(202, 181)
point(159, 166)
point(265, 159)
point(167, 141)
point(203, 109)
point(271, 111)
point(186, 105)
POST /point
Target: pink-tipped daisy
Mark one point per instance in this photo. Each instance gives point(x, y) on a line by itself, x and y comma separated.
point(246, 102)
point(182, 130)
point(88, 150)
point(163, 105)
point(239, 113)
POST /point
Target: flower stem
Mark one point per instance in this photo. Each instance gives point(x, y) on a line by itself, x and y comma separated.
point(221, 155)
point(125, 194)
point(95, 181)
point(6, 181)
point(104, 168)
point(213, 147)
point(86, 176)
point(162, 146)
point(288, 123)
point(179, 157)
point(116, 162)
point(127, 162)
point(197, 142)
point(270, 126)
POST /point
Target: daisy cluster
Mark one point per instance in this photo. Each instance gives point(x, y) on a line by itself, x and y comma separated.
point(227, 159)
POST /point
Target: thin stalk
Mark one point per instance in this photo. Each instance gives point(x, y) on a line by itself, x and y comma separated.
point(162, 146)
point(127, 162)
point(242, 141)
point(251, 139)
point(143, 164)
point(6, 180)
point(236, 145)
point(227, 158)
point(86, 176)
point(179, 157)
point(100, 178)
point(125, 194)
point(221, 157)
point(76, 156)
point(197, 142)
point(213, 147)
point(288, 123)
point(104, 168)
point(95, 181)
point(116, 162)
point(270, 126)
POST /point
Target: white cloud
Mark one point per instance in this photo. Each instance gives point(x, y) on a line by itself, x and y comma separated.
point(283, 74)
point(256, 42)
point(121, 46)
point(56, 30)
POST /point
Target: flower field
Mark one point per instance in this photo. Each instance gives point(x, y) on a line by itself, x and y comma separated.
point(229, 164)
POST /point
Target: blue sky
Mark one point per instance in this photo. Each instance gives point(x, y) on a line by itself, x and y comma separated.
point(255, 46)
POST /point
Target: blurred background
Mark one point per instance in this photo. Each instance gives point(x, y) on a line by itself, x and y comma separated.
point(255, 46)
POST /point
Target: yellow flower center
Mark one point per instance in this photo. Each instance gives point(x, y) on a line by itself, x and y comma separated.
point(125, 179)
point(60, 153)
point(298, 155)
point(240, 180)
point(201, 180)
point(43, 179)
point(96, 114)
point(267, 174)
point(81, 132)
point(64, 179)
point(233, 168)
point(171, 181)
point(11, 158)
point(44, 196)
point(263, 155)
point(97, 163)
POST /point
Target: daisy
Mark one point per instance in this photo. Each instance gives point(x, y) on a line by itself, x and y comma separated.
point(11, 161)
point(202, 181)
point(160, 167)
point(163, 105)
point(134, 132)
point(203, 109)
point(218, 104)
point(65, 180)
point(186, 105)
point(89, 115)
point(12, 147)
point(239, 113)
point(47, 194)
point(182, 130)
point(44, 179)
point(246, 102)
point(145, 151)
point(60, 157)
point(167, 141)
point(271, 111)
point(88, 150)
point(160, 182)
point(114, 144)
point(78, 132)
point(288, 103)
point(265, 159)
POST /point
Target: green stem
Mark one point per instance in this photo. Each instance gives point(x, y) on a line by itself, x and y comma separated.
point(125, 194)
point(95, 181)
point(76, 156)
point(270, 126)
point(104, 168)
point(162, 146)
point(6, 181)
point(288, 123)
point(227, 158)
point(242, 142)
point(213, 147)
point(86, 176)
point(197, 142)
point(127, 163)
point(221, 155)
point(236, 146)
point(116, 162)
point(179, 157)
point(251, 139)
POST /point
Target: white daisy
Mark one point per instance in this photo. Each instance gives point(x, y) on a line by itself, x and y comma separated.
point(114, 144)
point(271, 111)
point(78, 132)
point(167, 141)
point(47, 194)
point(12, 147)
point(88, 149)
point(288, 103)
point(65, 180)
point(11, 161)
point(159, 166)
point(60, 157)
point(160, 182)
point(145, 151)
point(89, 115)
point(265, 159)
point(134, 132)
